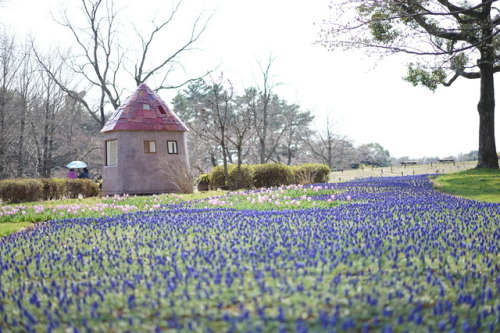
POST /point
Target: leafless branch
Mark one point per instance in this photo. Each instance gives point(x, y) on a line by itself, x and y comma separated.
point(198, 28)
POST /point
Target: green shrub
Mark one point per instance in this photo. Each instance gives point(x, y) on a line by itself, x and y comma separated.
point(61, 186)
point(217, 178)
point(246, 177)
point(272, 174)
point(84, 187)
point(49, 189)
point(21, 190)
point(53, 188)
point(311, 173)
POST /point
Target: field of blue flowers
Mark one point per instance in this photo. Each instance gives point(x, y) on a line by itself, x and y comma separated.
point(392, 255)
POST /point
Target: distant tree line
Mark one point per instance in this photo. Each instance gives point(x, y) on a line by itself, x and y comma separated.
point(468, 157)
point(41, 127)
point(256, 126)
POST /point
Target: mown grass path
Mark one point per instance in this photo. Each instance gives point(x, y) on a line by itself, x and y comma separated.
point(394, 256)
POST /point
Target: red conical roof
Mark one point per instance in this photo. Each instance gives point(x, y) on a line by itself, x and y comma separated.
point(144, 110)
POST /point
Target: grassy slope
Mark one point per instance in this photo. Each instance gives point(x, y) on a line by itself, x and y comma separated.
point(10, 228)
point(476, 184)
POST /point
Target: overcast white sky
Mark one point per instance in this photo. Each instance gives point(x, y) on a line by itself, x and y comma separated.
point(369, 101)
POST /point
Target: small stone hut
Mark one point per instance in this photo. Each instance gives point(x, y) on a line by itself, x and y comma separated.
point(145, 146)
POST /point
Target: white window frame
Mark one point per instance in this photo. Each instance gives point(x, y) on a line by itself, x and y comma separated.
point(149, 147)
point(172, 147)
point(112, 152)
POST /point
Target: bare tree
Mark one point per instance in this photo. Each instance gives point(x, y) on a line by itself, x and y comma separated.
point(27, 79)
point(240, 131)
point(216, 116)
point(460, 39)
point(44, 124)
point(101, 60)
point(169, 64)
point(10, 61)
point(40, 129)
point(297, 128)
point(261, 108)
point(331, 148)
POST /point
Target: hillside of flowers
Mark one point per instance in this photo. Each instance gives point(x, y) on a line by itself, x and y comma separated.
point(373, 255)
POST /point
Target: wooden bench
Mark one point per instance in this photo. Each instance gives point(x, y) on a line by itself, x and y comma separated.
point(447, 160)
point(405, 163)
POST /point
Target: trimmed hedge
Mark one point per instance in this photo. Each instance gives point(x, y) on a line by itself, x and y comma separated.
point(270, 175)
point(53, 189)
point(84, 187)
point(31, 190)
point(21, 190)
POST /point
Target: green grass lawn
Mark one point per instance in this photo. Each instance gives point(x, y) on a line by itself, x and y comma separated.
point(10, 228)
point(476, 184)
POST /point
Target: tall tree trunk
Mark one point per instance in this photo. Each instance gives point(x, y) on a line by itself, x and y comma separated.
point(50, 147)
point(229, 183)
point(238, 170)
point(262, 143)
point(486, 107)
point(213, 159)
point(46, 137)
point(45, 149)
point(22, 126)
point(330, 154)
point(229, 155)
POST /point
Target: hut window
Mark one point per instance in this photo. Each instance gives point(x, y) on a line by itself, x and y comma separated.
point(111, 152)
point(172, 147)
point(150, 97)
point(162, 110)
point(150, 147)
point(146, 107)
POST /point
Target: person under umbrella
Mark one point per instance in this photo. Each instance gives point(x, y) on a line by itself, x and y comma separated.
point(72, 174)
point(84, 173)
